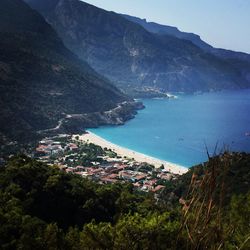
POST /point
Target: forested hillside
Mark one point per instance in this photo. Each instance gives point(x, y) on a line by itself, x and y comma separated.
point(40, 80)
point(41, 207)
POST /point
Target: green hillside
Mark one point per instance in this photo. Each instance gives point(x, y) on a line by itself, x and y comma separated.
point(40, 80)
point(42, 207)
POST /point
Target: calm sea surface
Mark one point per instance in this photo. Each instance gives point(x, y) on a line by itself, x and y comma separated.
point(178, 130)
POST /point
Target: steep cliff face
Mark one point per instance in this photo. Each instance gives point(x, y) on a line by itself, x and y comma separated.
point(169, 30)
point(239, 60)
point(40, 80)
point(194, 38)
point(133, 57)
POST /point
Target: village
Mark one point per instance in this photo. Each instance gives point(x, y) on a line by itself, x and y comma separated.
point(100, 164)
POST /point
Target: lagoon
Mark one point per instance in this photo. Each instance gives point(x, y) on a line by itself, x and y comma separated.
point(179, 130)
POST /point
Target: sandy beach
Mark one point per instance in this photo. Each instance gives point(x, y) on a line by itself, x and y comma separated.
point(139, 157)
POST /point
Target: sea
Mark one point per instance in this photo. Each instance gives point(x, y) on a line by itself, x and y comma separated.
point(186, 129)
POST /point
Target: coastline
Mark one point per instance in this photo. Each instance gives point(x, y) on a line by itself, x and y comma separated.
point(139, 157)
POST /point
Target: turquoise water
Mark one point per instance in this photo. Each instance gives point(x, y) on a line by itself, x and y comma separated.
point(177, 130)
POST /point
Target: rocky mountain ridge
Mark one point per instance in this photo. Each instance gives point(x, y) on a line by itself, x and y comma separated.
point(132, 57)
point(160, 29)
point(169, 30)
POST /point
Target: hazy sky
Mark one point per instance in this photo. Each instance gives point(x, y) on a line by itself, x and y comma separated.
point(222, 23)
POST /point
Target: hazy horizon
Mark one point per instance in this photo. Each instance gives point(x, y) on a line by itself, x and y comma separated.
point(223, 24)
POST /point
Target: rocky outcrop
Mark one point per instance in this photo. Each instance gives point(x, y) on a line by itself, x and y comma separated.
point(76, 123)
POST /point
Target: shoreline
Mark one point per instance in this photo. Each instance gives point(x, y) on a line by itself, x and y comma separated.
point(139, 157)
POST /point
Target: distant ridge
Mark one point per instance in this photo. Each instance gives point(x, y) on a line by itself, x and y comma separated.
point(194, 38)
point(169, 30)
point(139, 61)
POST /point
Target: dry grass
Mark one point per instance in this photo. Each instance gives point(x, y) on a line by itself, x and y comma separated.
point(202, 207)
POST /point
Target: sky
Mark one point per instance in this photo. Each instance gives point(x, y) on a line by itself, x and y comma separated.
point(221, 23)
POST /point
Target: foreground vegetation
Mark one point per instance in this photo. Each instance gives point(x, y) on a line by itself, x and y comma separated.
point(42, 207)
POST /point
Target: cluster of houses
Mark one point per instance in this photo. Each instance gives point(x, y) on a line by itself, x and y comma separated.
point(50, 147)
point(106, 170)
point(114, 171)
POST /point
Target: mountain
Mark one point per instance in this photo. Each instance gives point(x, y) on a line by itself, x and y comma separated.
point(169, 30)
point(135, 59)
point(239, 60)
point(195, 39)
point(41, 81)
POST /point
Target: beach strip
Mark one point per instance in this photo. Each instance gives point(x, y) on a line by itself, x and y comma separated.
point(128, 153)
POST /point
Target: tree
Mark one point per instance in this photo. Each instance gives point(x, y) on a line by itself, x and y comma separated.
point(53, 237)
point(72, 239)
